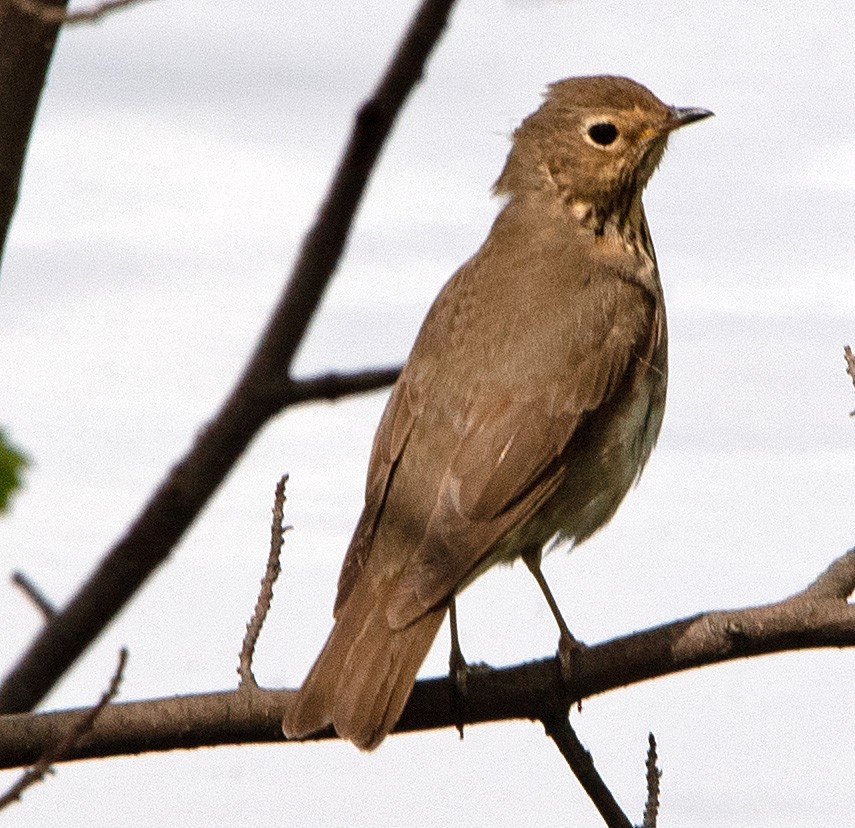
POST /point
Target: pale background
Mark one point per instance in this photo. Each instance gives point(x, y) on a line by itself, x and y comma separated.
point(181, 149)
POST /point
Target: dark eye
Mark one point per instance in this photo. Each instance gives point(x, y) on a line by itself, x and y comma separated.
point(603, 133)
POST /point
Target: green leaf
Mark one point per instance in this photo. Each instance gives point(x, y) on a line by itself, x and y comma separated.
point(12, 463)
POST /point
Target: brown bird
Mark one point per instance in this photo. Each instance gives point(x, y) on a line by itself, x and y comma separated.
point(529, 404)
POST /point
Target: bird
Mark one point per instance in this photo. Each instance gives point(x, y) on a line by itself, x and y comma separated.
point(528, 407)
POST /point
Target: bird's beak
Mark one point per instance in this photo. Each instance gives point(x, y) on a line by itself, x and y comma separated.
point(682, 115)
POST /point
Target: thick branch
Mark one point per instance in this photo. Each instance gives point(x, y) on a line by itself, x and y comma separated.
point(529, 691)
point(26, 47)
point(257, 396)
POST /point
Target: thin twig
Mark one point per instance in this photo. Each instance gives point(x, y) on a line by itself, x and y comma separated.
point(334, 385)
point(52, 14)
point(558, 729)
point(265, 595)
point(64, 746)
point(34, 594)
point(651, 807)
point(850, 367)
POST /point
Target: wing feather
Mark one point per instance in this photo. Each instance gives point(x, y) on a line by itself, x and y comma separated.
point(501, 455)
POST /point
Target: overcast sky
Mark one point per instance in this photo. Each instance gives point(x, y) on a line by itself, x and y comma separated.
point(181, 149)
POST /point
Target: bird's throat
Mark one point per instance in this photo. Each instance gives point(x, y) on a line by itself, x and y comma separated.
point(621, 235)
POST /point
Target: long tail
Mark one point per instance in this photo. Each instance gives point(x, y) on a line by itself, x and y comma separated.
point(364, 674)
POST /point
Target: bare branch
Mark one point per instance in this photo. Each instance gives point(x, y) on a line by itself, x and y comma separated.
point(850, 362)
point(64, 746)
point(52, 14)
point(26, 48)
point(850, 367)
point(534, 691)
point(838, 580)
point(265, 595)
point(332, 386)
point(325, 241)
point(34, 594)
point(651, 808)
point(558, 729)
point(256, 398)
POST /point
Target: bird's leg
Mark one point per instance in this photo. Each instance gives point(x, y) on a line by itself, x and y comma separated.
point(532, 561)
point(457, 666)
point(568, 644)
point(458, 669)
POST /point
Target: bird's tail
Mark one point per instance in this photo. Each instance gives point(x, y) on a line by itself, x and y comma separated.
point(364, 674)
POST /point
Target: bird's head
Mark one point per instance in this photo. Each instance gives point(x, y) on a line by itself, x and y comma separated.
point(595, 141)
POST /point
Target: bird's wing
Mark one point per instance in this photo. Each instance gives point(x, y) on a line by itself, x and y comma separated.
point(503, 462)
point(510, 460)
point(400, 415)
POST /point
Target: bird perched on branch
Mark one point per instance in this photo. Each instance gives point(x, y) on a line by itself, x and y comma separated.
point(528, 406)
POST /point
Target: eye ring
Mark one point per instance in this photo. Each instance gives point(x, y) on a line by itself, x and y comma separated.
point(602, 133)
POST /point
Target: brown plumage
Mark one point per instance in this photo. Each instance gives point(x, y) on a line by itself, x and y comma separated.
point(529, 405)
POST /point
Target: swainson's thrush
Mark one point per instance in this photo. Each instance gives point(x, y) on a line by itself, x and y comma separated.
point(529, 404)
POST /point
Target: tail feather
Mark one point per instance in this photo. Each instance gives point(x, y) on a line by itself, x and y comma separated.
point(364, 674)
point(371, 694)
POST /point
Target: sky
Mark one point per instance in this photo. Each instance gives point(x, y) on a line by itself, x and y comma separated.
point(179, 154)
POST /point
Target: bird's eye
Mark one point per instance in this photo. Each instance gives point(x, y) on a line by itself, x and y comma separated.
point(603, 133)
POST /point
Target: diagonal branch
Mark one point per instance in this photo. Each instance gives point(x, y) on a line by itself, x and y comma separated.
point(256, 398)
point(26, 48)
point(558, 729)
point(75, 732)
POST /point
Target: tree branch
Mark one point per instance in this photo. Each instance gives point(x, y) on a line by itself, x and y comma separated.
point(334, 385)
point(26, 48)
point(837, 581)
point(534, 691)
point(45, 607)
point(558, 729)
point(48, 13)
point(256, 398)
point(850, 367)
point(651, 807)
point(265, 595)
point(73, 735)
